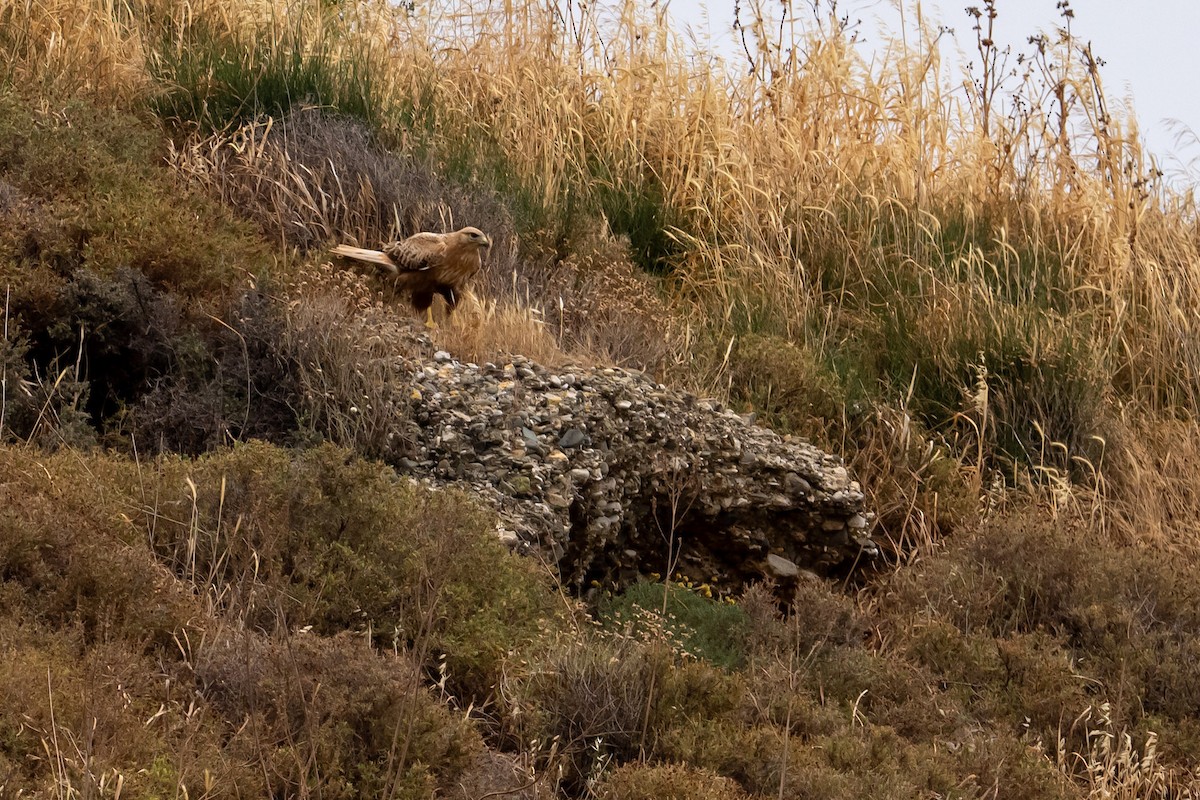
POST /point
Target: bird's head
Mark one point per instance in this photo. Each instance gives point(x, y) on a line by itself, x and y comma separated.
point(476, 237)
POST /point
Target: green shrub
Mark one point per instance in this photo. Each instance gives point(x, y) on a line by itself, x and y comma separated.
point(681, 616)
point(786, 384)
point(325, 539)
point(94, 634)
point(1044, 379)
point(93, 192)
point(1031, 620)
point(638, 210)
point(70, 562)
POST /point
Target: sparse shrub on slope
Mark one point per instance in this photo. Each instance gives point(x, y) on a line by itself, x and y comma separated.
point(95, 194)
point(141, 664)
point(592, 698)
point(333, 715)
point(91, 630)
point(1033, 620)
point(668, 782)
point(324, 539)
point(226, 381)
point(103, 259)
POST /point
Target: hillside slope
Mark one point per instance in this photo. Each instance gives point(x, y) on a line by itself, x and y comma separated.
point(222, 574)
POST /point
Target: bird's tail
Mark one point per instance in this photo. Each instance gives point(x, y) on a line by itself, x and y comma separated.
point(359, 254)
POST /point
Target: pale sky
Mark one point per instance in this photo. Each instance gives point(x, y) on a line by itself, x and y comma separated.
point(1151, 51)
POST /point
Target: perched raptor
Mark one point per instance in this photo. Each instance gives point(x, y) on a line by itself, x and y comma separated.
point(426, 264)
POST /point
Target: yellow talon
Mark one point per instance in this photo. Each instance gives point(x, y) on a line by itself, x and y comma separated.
point(429, 323)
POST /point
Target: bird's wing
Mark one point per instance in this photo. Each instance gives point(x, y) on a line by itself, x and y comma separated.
point(359, 254)
point(417, 253)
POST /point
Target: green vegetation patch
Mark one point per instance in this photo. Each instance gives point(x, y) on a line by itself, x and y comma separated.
point(1027, 384)
point(88, 188)
point(333, 542)
point(682, 616)
point(214, 80)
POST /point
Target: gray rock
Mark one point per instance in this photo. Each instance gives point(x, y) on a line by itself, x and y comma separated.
point(600, 469)
point(780, 567)
point(795, 484)
point(572, 438)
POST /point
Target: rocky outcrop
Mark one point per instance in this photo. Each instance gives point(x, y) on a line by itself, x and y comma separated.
point(610, 474)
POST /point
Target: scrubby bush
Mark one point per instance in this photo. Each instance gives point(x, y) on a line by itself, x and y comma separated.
point(113, 273)
point(95, 193)
point(785, 384)
point(594, 698)
point(667, 782)
point(333, 715)
point(324, 539)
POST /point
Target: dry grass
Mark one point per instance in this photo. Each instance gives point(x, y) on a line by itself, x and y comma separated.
point(346, 352)
point(312, 179)
point(1113, 768)
point(481, 331)
point(884, 151)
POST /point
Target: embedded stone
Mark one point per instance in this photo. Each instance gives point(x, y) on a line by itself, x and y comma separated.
point(781, 567)
point(572, 438)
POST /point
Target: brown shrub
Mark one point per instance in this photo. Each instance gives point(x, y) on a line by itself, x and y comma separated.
point(667, 782)
point(501, 773)
point(340, 346)
point(72, 563)
point(1033, 619)
point(225, 381)
point(593, 697)
point(92, 629)
point(333, 715)
point(111, 267)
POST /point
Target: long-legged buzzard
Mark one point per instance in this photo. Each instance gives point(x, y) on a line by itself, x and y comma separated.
point(427, 264)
